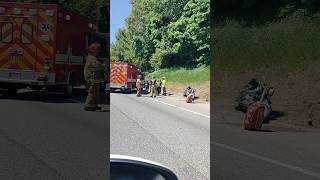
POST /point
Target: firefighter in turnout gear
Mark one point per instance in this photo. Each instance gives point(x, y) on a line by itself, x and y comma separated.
point(93, 74)
point(139, 86)
point(153, 90)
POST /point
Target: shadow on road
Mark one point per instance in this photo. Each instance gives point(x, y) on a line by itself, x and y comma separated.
point(274, 115)
point(79, 96)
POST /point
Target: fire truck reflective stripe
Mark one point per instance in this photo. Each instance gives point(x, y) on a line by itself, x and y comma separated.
point(26, 38)
point(42, 51)
point(44, 48)
point(21, 62)
point(3, 48)
point(28, 54)
point(6, 32)
point(25, 75)
point(117, 75)
point(47, 20)
point(26, 33)
point(7, 36)
point(25, 59)
point(3, 62)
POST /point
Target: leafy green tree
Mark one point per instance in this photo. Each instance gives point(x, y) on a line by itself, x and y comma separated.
point(162, 34)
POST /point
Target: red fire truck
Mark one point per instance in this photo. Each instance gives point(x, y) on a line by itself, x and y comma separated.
point(43, 46)
point(123, 76)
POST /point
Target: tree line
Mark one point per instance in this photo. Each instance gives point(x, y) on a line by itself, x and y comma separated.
point(164, 34)
point(262, 11)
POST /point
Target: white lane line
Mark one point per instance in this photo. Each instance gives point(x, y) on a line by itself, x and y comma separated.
point(288, 166)
point(180, 108)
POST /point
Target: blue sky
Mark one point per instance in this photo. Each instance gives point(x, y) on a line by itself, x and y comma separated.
point(119, 11)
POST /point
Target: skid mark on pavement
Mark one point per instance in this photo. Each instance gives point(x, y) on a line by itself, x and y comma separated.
point(203, 115)
point(288, 166)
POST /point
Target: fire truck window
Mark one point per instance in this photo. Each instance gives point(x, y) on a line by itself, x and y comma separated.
point(6, 32)
point(26, 33)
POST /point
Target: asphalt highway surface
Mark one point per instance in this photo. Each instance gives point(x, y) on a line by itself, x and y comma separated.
point(278, 152)
point(165, 130)
point(47, 136)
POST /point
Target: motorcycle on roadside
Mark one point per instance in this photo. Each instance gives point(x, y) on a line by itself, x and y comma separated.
point(254, 92)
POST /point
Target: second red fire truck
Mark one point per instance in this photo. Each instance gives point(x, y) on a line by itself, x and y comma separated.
point(123, 76)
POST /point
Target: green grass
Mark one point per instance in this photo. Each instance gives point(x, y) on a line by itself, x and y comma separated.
point(183, 75)
point(280, 44)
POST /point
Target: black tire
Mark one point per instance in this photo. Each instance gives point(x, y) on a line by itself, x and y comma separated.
point(128, 91)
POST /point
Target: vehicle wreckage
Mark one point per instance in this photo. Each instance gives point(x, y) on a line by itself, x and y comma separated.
point(254, 92)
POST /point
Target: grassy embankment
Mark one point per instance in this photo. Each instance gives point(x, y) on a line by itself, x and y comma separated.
point(283, 44)
point(180, 78)
point(286, 54)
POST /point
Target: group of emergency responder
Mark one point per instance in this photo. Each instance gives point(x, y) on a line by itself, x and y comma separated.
point(94, 76)
point(154, 86)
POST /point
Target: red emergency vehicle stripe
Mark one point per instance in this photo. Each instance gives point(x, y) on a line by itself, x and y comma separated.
point(118, 75)
point(3, 48)
point(29, 56)
point(5, 60)
point(26, 33)
point(2, 62)
point(7, 29)
point(7, 35)
point(45, 18)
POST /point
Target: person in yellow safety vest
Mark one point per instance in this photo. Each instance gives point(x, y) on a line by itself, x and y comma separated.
point(164, 86)
point(153, 88)
point(158, 86)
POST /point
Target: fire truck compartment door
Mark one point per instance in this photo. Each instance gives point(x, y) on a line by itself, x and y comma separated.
point(18, 47)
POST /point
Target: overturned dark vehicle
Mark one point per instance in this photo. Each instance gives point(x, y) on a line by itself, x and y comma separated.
point(254, 92)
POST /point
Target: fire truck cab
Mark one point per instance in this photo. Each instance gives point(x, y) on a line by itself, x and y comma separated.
point(43, 46)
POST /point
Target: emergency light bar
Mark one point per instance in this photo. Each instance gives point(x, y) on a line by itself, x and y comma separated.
point(2, 10)
point(16, 11)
